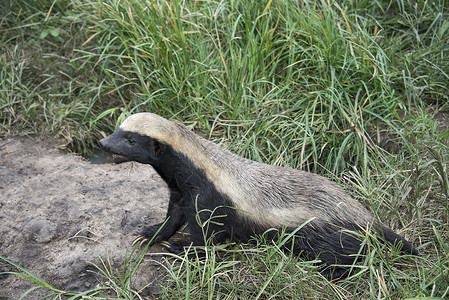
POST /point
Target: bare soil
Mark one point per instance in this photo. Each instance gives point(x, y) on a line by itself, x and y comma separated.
point(59, 214)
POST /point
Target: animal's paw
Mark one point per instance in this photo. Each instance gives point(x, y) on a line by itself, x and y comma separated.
point(152, 233)
point(184, 248)
point(175, 247)
point(335, 273)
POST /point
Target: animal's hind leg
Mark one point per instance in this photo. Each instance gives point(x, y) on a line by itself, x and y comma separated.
point(333, 245)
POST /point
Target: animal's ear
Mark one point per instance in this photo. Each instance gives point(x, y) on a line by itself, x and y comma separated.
point(156, 147)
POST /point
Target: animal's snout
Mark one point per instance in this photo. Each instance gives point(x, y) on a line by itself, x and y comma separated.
point(103, 144)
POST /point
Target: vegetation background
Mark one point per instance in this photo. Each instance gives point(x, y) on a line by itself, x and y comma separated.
point(355, 90)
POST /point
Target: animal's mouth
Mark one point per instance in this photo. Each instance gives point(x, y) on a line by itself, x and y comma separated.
point(119, 158)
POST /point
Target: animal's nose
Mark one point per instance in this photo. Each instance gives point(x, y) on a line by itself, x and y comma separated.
point(103, 144)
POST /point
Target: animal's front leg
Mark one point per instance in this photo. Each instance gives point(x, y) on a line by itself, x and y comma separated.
point(174, 220)
point(208, 221)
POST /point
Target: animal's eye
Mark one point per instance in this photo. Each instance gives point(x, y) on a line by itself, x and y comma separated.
point(131, 141)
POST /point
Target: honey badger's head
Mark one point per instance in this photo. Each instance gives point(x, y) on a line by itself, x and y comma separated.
point(137, 139)
point(130, 146)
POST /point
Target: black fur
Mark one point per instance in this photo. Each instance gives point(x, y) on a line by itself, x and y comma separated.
point(193, 195)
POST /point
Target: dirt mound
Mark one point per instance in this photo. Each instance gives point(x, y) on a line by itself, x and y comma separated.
point(60, 213)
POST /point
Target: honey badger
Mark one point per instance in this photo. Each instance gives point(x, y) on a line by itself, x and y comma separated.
point(243, 197)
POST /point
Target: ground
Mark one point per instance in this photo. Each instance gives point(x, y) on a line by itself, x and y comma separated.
point(60, 213)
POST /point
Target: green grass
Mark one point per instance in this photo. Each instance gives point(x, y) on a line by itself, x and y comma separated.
point(347, 89)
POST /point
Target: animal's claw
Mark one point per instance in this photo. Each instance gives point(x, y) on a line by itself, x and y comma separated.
point(139, 240)
point(165, 244)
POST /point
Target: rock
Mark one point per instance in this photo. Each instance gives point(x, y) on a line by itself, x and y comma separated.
point(41, 231)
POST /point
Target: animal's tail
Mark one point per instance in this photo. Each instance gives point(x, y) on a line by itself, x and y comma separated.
point(395, 239)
